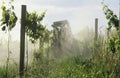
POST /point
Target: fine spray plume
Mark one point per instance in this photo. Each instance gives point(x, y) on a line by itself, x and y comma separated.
point(65, 44)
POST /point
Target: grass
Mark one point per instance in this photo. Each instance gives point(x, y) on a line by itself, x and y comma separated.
point(104, 65)
point(11, 73)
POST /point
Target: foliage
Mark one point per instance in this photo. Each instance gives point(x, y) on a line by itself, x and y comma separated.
point(111, 17)
point(12, 73)
point(34, 28)
point(41, 66)
point(45, 39)
point(104, 65)
point(9, 17)
point(114, 43)
point(113, 21)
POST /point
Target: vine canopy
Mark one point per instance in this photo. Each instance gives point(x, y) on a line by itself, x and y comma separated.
point(34, 28)
point(9, 18)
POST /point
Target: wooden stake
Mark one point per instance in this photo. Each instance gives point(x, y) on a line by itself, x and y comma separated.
point(96, 29)
point(22, 40)
point(96, 35)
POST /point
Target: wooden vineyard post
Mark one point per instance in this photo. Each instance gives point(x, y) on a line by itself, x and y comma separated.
point(96, 36)
point(22, 40)
point(96, 29)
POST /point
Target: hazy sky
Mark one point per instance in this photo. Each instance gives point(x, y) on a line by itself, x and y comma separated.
point(79, 13)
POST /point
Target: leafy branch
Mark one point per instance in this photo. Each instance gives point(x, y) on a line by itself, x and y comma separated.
point(34, 28)
point(111, 17)
point(9, 18)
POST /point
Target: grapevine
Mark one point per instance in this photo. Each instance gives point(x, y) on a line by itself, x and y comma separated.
point(34, 28)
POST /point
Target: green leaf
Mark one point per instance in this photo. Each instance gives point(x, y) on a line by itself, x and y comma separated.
point(3, 28)
point(12, 0)
point(12, 7)
point(3, 7)
point(108, 16)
